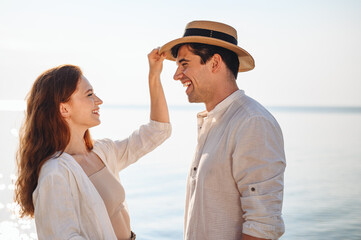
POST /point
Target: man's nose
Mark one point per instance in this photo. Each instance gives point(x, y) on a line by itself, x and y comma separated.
point(178, 74)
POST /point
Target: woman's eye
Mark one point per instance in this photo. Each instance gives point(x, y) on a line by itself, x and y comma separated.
point(90, 94)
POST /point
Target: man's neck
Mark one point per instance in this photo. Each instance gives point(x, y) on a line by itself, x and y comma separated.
point(224, 91)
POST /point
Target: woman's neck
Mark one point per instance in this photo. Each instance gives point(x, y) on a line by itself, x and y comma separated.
point(76, 145)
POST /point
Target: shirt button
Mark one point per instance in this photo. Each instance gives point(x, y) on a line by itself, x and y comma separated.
point(253, 189)
point(195, 168)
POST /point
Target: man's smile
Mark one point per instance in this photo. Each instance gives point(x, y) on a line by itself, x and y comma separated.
point(188, 85)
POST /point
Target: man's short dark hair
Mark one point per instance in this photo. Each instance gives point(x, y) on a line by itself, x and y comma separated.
point(206, 51)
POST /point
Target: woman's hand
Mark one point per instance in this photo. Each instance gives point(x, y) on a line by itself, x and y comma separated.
point(155, 62)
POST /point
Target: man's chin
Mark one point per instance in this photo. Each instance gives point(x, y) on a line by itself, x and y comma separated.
point(190, 99)
point(193, 99)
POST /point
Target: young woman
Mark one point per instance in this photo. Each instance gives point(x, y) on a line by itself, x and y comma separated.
point(67, 181)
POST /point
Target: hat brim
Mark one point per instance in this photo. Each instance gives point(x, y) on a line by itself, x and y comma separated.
point(246, 61)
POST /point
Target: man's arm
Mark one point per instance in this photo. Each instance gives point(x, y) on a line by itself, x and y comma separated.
point(258, 167)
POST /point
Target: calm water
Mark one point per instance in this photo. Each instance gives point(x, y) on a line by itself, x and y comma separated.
point(322, 181)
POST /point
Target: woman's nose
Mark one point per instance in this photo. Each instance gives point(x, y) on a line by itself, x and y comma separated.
point(98, 100)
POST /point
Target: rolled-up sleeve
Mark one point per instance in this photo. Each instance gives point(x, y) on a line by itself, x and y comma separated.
point(258, 168)
point(55, 214)
point(140, 142)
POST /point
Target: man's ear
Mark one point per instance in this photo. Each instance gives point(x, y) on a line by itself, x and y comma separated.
point(216, 62)
point(64, 110)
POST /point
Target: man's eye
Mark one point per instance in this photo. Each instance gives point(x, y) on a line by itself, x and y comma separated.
point(90, 94)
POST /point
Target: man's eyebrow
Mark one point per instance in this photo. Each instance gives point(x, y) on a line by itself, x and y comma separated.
point(183, 60)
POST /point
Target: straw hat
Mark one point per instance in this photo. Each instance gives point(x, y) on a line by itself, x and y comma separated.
point(212, 33)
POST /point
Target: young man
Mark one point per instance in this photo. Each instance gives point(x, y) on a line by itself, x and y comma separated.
point(235, 183)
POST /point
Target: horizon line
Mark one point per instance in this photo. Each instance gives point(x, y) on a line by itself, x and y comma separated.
point(20, 105)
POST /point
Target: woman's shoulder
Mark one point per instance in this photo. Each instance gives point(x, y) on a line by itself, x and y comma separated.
point(55, 166)
point(55, 177)
point(105, 142)
point(104, 145)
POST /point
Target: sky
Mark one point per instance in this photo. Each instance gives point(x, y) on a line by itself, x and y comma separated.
point(307, 53)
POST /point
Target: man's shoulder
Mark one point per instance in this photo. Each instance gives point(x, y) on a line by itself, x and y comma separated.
point(245, 108)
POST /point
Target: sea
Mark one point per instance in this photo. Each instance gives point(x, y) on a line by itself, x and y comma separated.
point(322, 197)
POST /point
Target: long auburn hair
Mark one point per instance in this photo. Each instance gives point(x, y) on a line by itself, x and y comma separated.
point(44, 133)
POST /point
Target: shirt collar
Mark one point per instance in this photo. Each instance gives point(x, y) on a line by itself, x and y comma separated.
point(221, 107)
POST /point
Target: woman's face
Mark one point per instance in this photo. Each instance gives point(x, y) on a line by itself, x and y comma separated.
point(83, 106)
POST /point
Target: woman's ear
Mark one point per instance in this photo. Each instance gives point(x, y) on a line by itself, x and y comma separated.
point(64, 110)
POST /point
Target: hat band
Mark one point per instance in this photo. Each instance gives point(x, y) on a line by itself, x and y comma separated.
point(211, 34)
